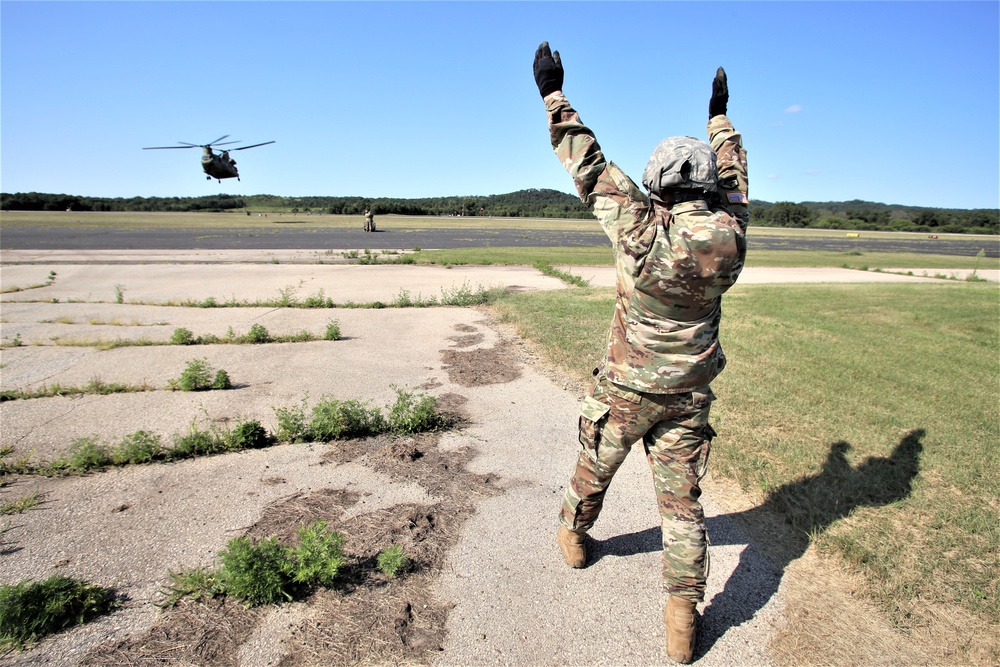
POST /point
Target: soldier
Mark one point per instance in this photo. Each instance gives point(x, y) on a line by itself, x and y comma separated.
point(677, 250)
point(369, 221)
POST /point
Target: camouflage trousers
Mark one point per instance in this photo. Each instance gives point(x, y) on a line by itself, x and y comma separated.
point(675, 433)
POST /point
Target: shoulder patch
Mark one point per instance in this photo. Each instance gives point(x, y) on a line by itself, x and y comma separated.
point(737, 198)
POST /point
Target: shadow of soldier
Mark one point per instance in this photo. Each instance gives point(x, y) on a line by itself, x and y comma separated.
point(809, 505)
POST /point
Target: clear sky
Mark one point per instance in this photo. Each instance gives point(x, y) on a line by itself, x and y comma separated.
point(894, 102)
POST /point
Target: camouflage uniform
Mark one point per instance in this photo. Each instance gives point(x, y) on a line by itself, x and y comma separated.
point(369, 222)
point(663, 347)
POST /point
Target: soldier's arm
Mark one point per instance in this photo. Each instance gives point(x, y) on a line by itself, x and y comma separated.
point(732, 165)
point(614, 198)
point(728, 146)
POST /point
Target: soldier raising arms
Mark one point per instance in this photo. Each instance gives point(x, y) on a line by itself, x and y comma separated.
point(677, 250)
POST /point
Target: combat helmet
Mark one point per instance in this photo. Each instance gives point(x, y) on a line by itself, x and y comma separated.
point(681, 163)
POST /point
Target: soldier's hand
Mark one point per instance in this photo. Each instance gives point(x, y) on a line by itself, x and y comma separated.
point(720, 95)
point(548, 70)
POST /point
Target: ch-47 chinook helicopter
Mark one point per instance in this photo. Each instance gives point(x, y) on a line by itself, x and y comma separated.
point(216, 165)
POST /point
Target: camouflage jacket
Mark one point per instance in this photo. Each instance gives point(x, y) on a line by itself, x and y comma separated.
point(673, 265)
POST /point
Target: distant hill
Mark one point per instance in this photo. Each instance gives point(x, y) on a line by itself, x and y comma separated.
point(532, 203)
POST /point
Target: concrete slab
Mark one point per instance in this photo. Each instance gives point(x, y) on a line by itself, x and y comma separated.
point(167, 283)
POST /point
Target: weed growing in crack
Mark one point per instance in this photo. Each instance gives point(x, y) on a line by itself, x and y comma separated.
point(466, 296)
point(196, 442)
point(22, 504)
point(85, 454)
point(182, 336)
point(330, 420)
point(198, 376)
point(412, 413)
point(332, 330)
point(333, 419)
point(292, 426)
point(564, 276)
point(29, 611)
point(138, 447)
point(95, 386)
point(257, 334)
point(249, 434)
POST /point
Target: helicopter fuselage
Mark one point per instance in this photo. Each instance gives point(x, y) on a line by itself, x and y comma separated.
point(219, 166)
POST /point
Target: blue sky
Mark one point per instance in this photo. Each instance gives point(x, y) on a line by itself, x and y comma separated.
point(895, 102)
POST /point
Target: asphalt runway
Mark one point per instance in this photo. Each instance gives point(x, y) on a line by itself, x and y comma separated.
point(401, 238)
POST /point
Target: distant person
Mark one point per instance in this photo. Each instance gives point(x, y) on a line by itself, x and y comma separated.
point(677, 250)
point(369, 221)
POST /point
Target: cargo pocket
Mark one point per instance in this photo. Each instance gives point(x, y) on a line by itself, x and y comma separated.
point(593, 415)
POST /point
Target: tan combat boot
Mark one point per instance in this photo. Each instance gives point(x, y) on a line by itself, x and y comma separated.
point(572, 547)
point(679, 617)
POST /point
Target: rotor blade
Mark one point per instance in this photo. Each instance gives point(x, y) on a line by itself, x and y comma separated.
point(217, 140)
point(224, 143)
point(190, 145)
point(243, 148)
point(163, 148)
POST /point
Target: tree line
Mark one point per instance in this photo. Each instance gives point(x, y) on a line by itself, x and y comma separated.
point(872, 216)
point(531, 203)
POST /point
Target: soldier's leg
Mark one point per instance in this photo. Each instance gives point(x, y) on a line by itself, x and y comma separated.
point(677, 451)
point(612, 419)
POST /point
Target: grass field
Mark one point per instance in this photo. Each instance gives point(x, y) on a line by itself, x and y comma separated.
point(866, 414)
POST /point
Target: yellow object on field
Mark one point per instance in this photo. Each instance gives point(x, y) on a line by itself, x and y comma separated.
point(853, 235)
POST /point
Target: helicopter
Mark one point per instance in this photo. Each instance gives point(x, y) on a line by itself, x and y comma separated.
point(216, 165)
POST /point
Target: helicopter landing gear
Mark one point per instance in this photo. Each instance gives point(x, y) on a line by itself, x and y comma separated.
point(208, 178)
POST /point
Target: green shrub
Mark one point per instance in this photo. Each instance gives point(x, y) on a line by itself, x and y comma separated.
point(31, 610)
point(182, 336)
point(255, 573)
point(86, 454)
point(332, 419)
point(332, 330)
point(327, 422)
point(221, 380)
point(318, 556)
point(196, 443)
point(393, 560)
point(413, 413)
point(317, 301)
point(197, 376)
point(257, 334)
point(292, 425)
point(138, 447)
point(248, 435)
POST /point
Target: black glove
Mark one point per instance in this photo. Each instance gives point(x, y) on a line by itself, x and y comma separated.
point(548, 70)
point(720, 95)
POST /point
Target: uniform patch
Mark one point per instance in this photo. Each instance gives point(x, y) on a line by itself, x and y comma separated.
point(737, 198)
